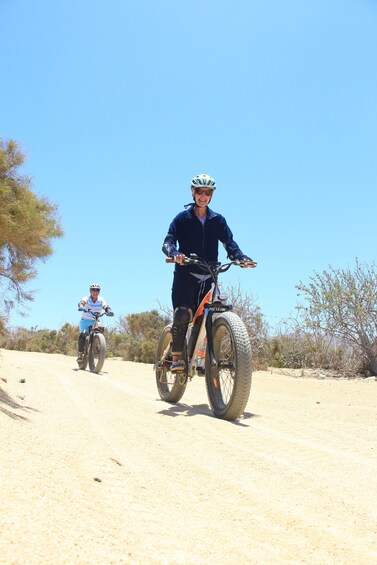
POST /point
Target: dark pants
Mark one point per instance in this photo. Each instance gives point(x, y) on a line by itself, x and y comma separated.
point(187, 293)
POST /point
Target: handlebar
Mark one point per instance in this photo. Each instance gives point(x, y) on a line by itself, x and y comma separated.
point(95, 315)
point(219, 267)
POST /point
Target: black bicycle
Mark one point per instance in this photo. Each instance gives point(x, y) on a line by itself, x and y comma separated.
point(95, 344)
point(217, 346)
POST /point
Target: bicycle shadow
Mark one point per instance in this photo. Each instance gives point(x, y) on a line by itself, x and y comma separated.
point(87, 371)
point(186, 410)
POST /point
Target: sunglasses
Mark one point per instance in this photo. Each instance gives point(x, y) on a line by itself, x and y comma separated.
point(199, 192)
point(94, 290)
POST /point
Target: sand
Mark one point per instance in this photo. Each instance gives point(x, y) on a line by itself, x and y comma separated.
point(96, 469)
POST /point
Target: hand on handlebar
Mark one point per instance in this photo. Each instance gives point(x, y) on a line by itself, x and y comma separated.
point(109, 313)
point(179, 258)
point(247, 263)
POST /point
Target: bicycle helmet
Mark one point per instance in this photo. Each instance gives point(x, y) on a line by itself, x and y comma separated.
point(95, 286)
point(203, 181)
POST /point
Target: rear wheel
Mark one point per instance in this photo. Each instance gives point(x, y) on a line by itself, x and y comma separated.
point(97, 352)
point(170, 386)
point(228, 383)
point(84, 361)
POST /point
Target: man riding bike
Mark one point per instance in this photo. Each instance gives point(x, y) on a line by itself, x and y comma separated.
point(95, 303)
point(198, 229)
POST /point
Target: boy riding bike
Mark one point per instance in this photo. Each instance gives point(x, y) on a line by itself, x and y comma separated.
point(198, 229)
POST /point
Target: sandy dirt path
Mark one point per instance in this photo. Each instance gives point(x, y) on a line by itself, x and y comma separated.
point(95, 469)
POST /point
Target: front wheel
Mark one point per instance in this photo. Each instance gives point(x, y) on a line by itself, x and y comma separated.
point(229, 381)
point(170, 386)
point(97, 352)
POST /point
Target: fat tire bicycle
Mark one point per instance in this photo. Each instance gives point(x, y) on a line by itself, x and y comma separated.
point(95, 344)
point(220, 336)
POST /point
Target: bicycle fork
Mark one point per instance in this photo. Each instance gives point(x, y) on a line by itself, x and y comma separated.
point(210, 309)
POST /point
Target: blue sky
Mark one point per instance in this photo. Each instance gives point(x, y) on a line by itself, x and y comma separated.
point(118, 105)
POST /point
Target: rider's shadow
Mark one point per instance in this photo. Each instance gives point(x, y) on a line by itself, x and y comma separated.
point(200, 410)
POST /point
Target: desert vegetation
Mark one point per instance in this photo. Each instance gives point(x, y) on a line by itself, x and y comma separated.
point(334, 330)
point(335, 327)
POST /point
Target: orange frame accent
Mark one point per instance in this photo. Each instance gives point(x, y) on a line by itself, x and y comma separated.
point(200, 309)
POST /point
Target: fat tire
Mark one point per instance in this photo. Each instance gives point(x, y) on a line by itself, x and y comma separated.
point(170, 386)
point(228, 383)
point(97, 352)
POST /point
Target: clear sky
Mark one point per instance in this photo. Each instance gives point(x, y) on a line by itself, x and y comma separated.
point(118, 104)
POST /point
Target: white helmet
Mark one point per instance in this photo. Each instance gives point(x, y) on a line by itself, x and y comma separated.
point(95, 286)
point(203, 181)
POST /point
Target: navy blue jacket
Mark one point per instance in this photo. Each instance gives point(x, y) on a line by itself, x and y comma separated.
point(194, 237)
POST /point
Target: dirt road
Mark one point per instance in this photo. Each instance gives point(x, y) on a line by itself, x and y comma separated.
point(95, 469)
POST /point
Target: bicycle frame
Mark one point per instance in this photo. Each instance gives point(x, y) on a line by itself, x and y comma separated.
point(199, 329)
point(97, 325)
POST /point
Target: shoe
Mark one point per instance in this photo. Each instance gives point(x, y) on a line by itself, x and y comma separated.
point(79, 357)
point(178, 366)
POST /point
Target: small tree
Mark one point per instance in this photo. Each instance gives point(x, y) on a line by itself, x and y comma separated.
point(143, 331)
point(342, 304)
point(298, 347)
point(27, 225)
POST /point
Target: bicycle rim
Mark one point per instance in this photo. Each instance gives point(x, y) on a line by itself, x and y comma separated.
point(170, 386)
